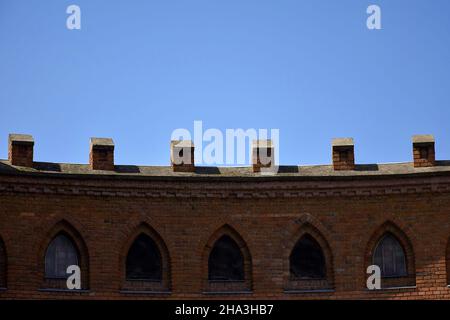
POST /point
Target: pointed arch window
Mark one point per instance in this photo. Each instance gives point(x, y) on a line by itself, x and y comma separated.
point(390, 257)
point(226, 262)
point(61, 253)
point(307, 260)
point(144, 260)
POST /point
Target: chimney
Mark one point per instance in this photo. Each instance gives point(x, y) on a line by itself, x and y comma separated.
point(182, 155)
point(101, 155)
point(263, 155)
point(423, 150)
point(343, 154)
point(20, 150)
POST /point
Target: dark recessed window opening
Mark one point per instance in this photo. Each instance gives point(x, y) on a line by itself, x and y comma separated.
point(390, 257)
point(307, 260)
point(61, 253)
point(144, 260)
point(226, 262)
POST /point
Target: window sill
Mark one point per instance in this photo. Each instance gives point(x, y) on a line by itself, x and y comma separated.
point(213, 293)
point(64, 290)
point(404, 288)
point(145, 292)
point(226, 281)
point(144, 280)
point(288, 291)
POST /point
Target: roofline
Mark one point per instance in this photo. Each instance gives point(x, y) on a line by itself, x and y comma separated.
point(204, 177)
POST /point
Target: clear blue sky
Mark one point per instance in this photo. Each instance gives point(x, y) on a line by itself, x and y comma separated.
point(137, 70)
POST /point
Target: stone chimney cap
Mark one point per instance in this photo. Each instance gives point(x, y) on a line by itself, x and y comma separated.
point(102, 142)
point(423, 138)
point(342, 142)
point(21, 138)
point(262, 143)
point(183, 143)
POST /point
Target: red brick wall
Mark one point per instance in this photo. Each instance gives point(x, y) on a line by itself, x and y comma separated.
point(21, 154)
point(183, 216)
point(102, 158)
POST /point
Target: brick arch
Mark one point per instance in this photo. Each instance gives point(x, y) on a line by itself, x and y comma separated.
point(389, 227)
point(306, 228)
point(3, 264)
point(218, 286)
point(308, 219)
point(156, 286)
point(64, 227)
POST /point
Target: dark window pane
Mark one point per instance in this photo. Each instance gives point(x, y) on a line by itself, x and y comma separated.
point(226, 261)
point(60, 254)
point(390, 257)
point(307, 260)
point(144, 260)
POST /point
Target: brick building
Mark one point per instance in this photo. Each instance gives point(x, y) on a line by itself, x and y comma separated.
point(181, 231)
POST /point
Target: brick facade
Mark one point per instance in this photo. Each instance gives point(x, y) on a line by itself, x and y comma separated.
point(346, 212)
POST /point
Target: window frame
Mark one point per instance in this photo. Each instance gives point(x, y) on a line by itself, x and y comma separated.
point(74, 247)
point(400, 245)
point(292, 276)
point(241, 262)
point(159, 254)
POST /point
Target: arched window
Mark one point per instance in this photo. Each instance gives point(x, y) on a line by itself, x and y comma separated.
point(226, 262)
point(60, 254)
point(144, 260)
point(390, 257)
point(307, 260)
